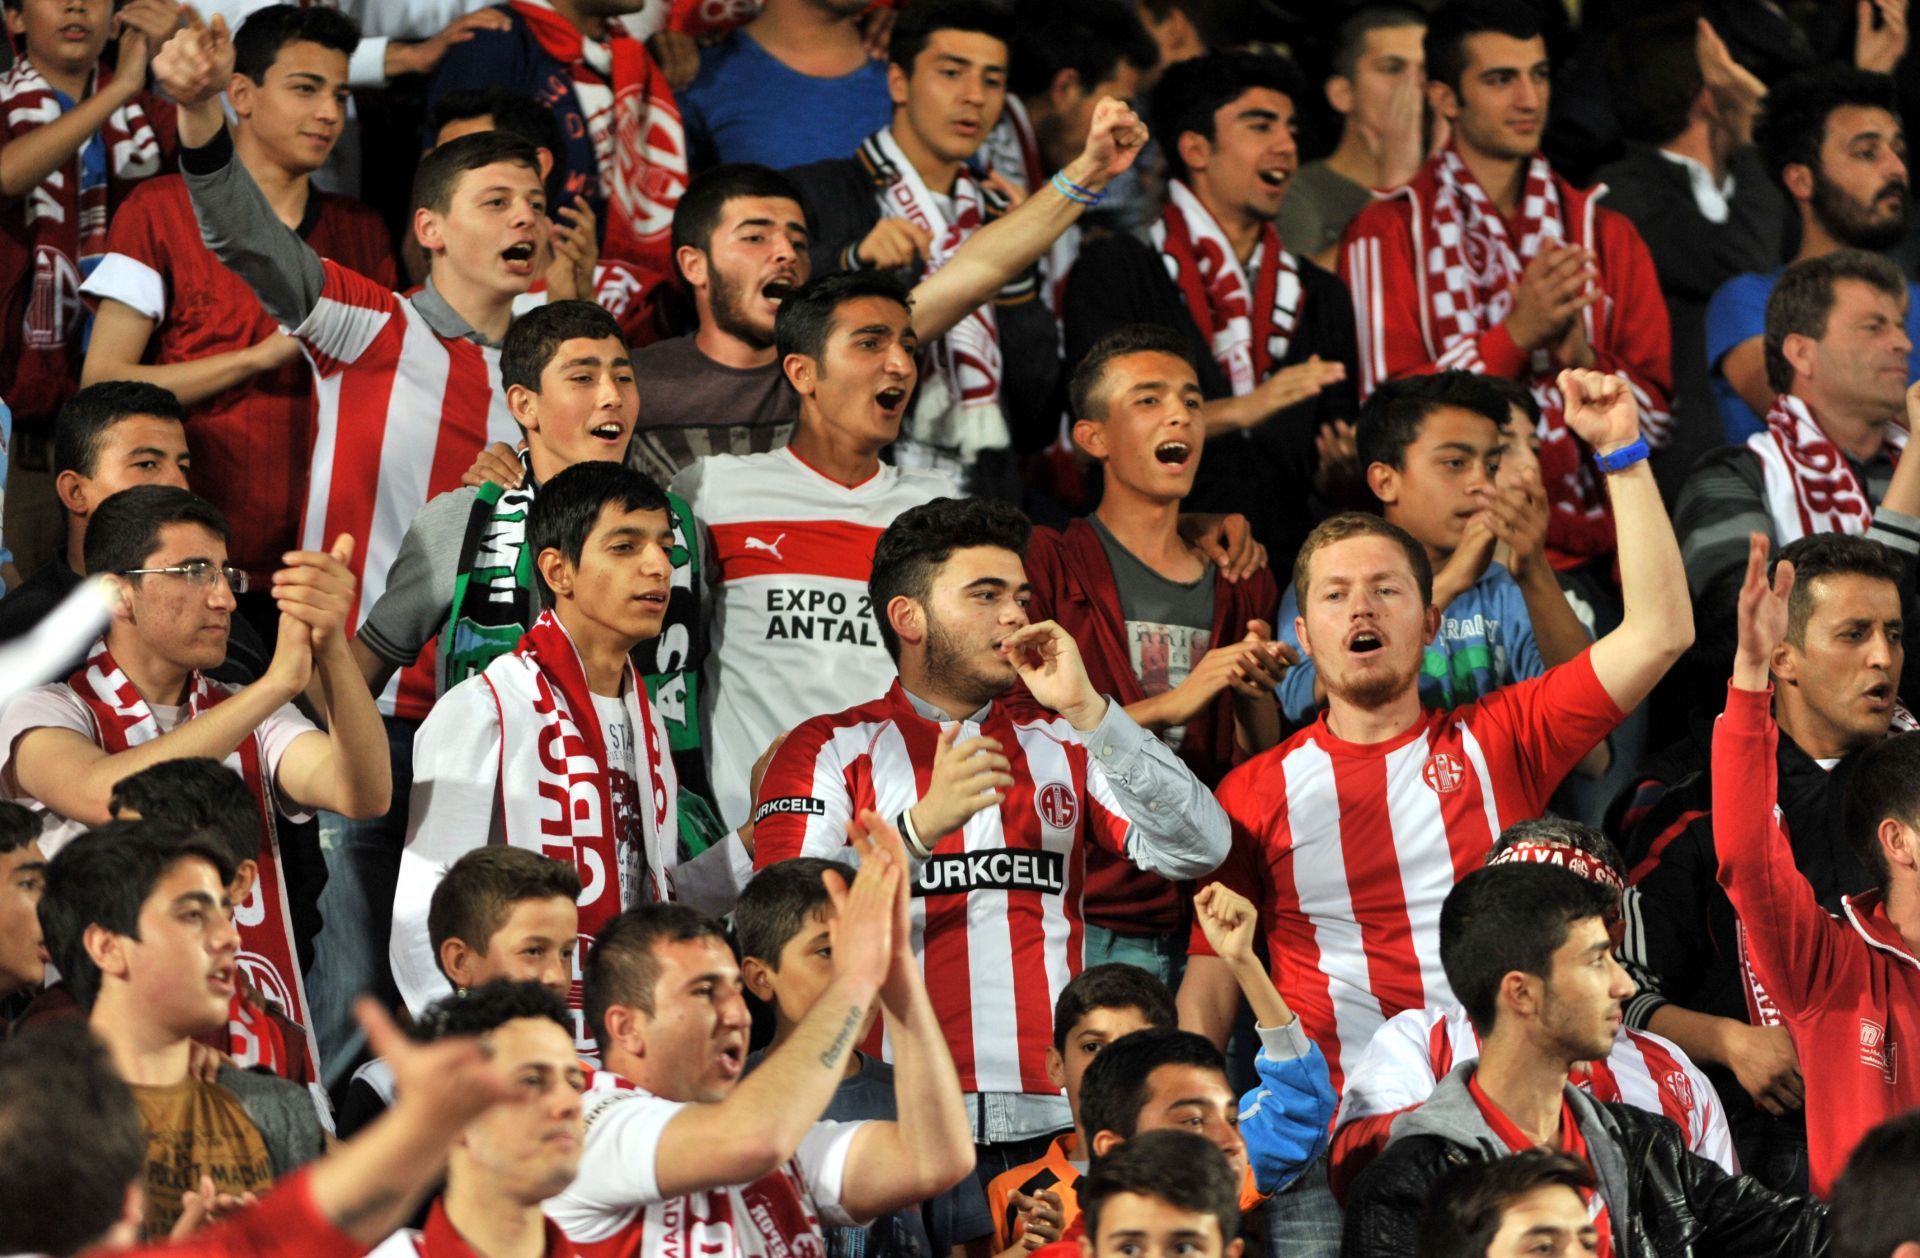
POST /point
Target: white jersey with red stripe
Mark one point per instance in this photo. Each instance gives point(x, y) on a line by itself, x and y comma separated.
point(997, 920)
point(613, 1207)
point(1349, 849)
point(400, 413)
point(1414, 1050)
point(793, 634)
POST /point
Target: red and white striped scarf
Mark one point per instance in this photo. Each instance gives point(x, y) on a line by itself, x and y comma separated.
point(650, 149)
point(959, 404)
point(556, 786)
point(122, 719)
point(1249, 326)
point(1809, 486)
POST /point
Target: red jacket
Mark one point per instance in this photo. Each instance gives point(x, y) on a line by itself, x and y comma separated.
point(1848, 987)
point(1073, 584)
point(1381, 262)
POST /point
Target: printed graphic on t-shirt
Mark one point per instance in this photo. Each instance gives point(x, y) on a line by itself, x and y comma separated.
point(195, 1129)
point(1163, 656)
point(629, 839)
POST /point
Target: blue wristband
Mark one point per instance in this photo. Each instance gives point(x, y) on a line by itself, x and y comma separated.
point(1074, 192)
point(1623, 458)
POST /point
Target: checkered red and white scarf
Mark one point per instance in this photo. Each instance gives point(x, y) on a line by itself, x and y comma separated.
point(1249, 326)
point(1810, 488)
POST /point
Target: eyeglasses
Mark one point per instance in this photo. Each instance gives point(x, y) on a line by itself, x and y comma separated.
point(198, 573)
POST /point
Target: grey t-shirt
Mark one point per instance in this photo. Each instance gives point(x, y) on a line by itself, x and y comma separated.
point(1318, 208)
point(1169, 623)
point(413, 609)
point(692, 406)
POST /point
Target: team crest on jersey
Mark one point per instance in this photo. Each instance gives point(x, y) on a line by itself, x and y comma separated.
point(1876, 1049)
point(265, 979)
point(1057, 805)
point(1681, 1088)
point(1444, 772)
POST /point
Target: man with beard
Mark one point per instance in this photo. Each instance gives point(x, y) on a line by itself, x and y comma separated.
point(1489, 261)
point(1529, 950)
point(999, 801)
point(1833, 138)
point(1349, 835)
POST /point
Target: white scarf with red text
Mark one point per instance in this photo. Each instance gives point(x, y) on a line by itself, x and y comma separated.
point(1248, 325)
point(122, 719)
point(1809, 486)
point(959, 404)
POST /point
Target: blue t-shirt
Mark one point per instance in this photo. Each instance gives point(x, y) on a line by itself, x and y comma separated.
point(748, 106)
point(1737, 313)
point(1485, 642)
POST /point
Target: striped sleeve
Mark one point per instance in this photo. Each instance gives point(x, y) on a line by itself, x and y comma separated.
point(805, 800)
point(348, 319)
point(1721, 503)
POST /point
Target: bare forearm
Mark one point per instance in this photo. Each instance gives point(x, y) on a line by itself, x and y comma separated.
point(1230, 414)
point(200, 123)
point(1700, 1034)
point(1208, 999)
point(370, 1185)
point(30, 158)
point(1256, 723)
point(193, 382)
point(934, 1135)
point(990, 258)
point(362, 774)
point(1557, 631)
point(1653, 581)
point(1269, 1008)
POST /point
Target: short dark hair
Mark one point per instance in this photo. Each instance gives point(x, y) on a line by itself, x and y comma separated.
point(1516, 395)
point(515, 113)
point(1089, 37)
point(697, 216)
point(1875, 1210)
point(536, 336)
point(440, 168)
point(622, 968)
point(805, 320)
point(1885, 783)
point(69, 1133)
point(1654, 74)
point(81, 427)
point(1802, 301)
point(1113, 1091)
point(568, 506)
point(199, 793)
point(491, 1006)
point(1191, 92)
point(1466, 1203)
point(1114, 985)
point(1182, 1168)
point(1086, 392)
point(1348, 524)
point(779, 903)
point(921, 18)
point(1504, 918)
point(1350, 37)
point(1793, 123)
point(1391, 419)
point(922, 538)
point(1820, 555)
point(1451, 25)
point(104, 877)
point(1564, 831)
point(19, 826)
point(479, 891)
point(125, 528)
point(257, 44)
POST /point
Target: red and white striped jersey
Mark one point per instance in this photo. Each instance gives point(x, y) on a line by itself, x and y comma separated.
point(613, 1208)
point(793, 631)
point(997, 920)
point(400, 413)
point(1349, 849)
point(1414, 1050)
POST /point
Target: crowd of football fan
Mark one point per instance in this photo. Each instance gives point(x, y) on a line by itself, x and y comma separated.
point(886, 629)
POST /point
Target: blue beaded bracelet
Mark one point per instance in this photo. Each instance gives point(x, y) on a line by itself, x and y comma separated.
point(1074, 192)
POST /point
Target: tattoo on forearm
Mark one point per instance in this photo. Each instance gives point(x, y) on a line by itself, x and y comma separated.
point(374, 1205)
point(831, 1057)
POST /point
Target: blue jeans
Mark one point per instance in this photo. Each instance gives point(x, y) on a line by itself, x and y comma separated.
point(1163, 956)
point(356, 909)
point(1303, 1219)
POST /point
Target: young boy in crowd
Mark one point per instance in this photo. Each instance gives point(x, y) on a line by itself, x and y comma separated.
point(515, 1156)
point(1167, 1192)
point(206, 797)
point(1439, 462)
point(167, 312)
point(23, 875)
point(1031, 1204)
point(136, 915)
point(1533, 1203)
point(75, 139)
point(597, 537)
point(783, 924)
point(500, 913)
point(1184, 649)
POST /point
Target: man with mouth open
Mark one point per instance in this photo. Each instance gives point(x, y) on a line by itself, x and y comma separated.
point(555, 745)
point(1350, 834)
point(1490, 262)
point(999, 798)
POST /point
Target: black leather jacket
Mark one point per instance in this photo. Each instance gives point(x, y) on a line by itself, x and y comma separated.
point(1663, 1201)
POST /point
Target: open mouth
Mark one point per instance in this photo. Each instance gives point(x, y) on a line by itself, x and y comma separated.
point(1275, 177)
point(653, 598)
point(1879, 696)
point(891, 399)
point(1366, 642)
point(730, 1059)
point(519, 258)
point(1172, 453)
point(221, 980)
point(609, 432)
point(777, 291)
point(75, 31)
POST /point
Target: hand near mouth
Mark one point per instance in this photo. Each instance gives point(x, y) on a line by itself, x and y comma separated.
point(1048, 661)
